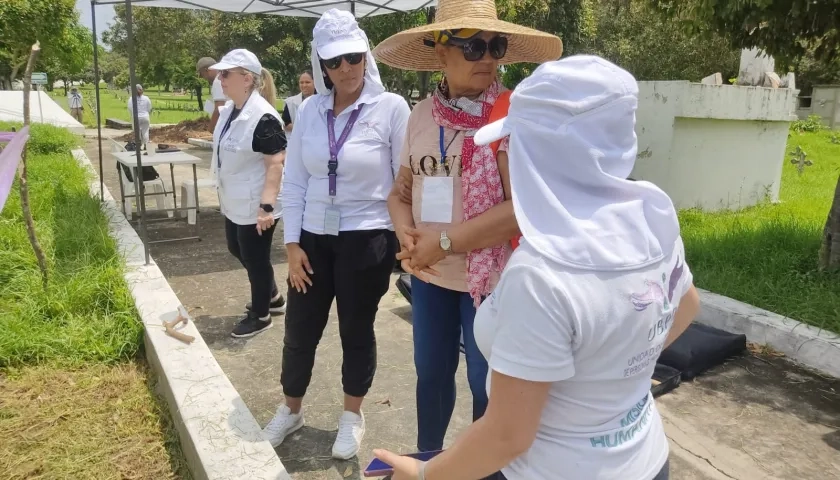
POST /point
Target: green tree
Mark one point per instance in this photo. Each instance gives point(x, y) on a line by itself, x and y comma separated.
point(70, 60)
point(787, 29)
point(633, 35)
point(23, 22)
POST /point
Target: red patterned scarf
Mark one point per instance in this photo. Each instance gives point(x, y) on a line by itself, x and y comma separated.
point(481, 182)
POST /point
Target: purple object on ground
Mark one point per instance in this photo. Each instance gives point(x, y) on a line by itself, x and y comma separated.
point(9, 159)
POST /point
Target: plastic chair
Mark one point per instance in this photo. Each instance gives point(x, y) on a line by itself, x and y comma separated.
point(188, 196)
point(150, 186)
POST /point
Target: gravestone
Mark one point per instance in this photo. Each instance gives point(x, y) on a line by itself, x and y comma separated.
point(714, 79)
point(754, 65)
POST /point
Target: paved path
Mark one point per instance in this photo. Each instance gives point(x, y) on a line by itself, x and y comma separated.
point(756, 417)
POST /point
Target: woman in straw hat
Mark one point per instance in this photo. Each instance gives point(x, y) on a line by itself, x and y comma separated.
point(343, 154)
point(456, 223)
point(597, 289)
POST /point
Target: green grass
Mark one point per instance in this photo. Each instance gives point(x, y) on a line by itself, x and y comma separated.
point(767, 255)
point(87, 313)
point(76, 401)
point(168, 107)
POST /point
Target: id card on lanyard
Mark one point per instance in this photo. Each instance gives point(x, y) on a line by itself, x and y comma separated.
point(438, 192)
point(332, 215)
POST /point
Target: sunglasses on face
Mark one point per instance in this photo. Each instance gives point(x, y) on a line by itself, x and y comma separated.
point(226, 73)
point(335, 62)
point(475, 48)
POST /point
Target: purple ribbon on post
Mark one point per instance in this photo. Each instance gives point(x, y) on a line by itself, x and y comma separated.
point(9, 159)
point(335, 146)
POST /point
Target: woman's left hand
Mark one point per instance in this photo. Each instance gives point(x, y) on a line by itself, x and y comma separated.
point(264, 221)
point(426, 251)
point(405, 468)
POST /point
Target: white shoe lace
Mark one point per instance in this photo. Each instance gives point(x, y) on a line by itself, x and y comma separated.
point(278, 423)
point(347, 431)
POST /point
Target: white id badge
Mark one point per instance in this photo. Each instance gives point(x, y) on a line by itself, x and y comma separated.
point(438, 194)
point(332, 220)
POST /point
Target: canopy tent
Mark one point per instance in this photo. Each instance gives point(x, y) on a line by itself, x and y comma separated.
point(296, 8)
point(292, 8)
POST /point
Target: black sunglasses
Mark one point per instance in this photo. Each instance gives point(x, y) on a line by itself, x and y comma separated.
point(226, 73)
point(335, 62)
point(475, 48)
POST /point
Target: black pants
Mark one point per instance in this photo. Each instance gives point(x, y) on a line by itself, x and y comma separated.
point(254, 252)
point(663, 474)
point(354, 268)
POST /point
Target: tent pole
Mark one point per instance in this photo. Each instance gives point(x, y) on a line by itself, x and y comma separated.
point(139, 190)
point(98, 104)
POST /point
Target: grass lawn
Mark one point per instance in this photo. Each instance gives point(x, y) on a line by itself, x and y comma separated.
point(766, 255)
point(168, 107)
point(76, 400)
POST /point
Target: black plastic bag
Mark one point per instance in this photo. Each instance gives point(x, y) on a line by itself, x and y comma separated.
point(700, 348)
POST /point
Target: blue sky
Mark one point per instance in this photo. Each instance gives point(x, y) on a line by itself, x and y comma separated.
point(104, 15)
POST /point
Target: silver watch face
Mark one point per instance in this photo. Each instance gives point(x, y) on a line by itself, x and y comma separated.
point(445, 243)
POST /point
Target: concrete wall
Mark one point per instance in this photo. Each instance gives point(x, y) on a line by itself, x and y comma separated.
point(713, 146)
point(825, 102)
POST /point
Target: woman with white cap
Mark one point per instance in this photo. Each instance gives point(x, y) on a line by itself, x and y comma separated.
point(249, 148)
point(144, 111)
point(460, 220)
point(596, 290)
point(343, 154)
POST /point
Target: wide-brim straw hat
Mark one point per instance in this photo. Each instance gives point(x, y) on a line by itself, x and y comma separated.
point(409, 50)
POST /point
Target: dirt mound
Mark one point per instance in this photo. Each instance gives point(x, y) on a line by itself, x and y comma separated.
point(179, 133)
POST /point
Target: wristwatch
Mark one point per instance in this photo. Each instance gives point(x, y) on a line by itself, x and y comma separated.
point(445, 243)
point(267, 207)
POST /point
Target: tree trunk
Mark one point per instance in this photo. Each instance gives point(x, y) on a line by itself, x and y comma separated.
point(198, 91)
point(23, 181)
point(830, 248)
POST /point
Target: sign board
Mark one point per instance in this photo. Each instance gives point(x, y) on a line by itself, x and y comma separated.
point(39, 78)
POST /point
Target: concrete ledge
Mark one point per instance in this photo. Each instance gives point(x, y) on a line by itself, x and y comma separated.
point(219, 436)
point(200, 143)
point(810, 346)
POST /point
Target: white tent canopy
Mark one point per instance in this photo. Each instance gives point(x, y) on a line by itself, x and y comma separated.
point(293, 8)
point(290, 8)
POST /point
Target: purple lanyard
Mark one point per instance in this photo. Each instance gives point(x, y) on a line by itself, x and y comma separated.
point(335, 146)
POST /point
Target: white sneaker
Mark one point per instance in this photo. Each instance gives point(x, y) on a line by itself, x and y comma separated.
point(283, 424)
point(351, 430)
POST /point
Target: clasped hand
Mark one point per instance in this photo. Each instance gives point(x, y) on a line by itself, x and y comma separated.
point(419, 250)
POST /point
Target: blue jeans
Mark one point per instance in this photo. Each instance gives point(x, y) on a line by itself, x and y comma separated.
point(439, 316)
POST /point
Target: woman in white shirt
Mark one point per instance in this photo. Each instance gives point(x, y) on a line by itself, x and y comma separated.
point(596, 289)
point(249, 147)
point(144, 111)
point(343, 155)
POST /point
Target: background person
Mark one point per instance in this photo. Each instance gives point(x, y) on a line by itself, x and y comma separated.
point(307, 88)
point(76, 104)
point(144, 112)
point(597, 288)
point(217, 95)
point(343, 154)
point(460, 219)
point(248, 154)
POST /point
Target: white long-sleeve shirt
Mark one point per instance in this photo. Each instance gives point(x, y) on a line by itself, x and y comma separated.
point(367, 164)
point(144, 106)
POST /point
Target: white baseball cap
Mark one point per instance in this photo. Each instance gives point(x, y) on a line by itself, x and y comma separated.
point(337, 33)
point(239, 58)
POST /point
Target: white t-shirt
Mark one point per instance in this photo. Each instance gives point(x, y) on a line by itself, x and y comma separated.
point(596, 337)
point(144, 106)
point(216, 95)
